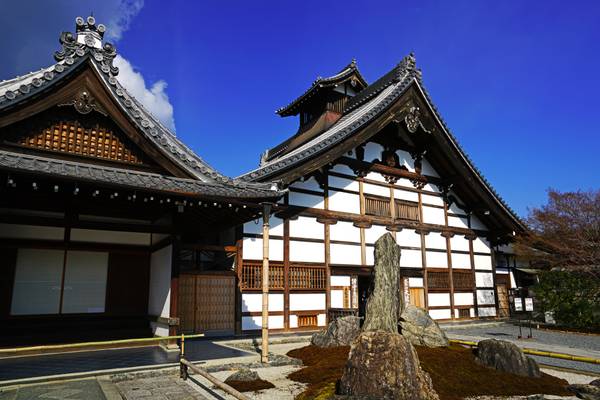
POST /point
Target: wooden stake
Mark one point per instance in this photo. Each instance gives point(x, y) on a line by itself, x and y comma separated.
point(265, 285)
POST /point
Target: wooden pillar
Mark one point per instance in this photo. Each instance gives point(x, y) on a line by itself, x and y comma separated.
point(327, 247)
point(472, 256)
point(265, 285)
point(423, 256)
point(286, 274)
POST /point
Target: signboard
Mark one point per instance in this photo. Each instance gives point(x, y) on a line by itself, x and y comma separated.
point(528, 304)
point(518, 304)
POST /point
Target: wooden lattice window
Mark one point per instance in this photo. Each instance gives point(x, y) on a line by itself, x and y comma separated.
point(307, 321)
point(306, 277)
point(377, 206)
point(407, 210)
point(464, 313)
point(438, 280)
point(72, 137)
point(462, 280)
point(252, 275)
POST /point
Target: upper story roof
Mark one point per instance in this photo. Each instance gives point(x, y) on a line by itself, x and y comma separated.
point(86, 49)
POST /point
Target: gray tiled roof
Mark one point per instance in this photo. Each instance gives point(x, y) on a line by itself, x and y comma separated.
point(127, 178)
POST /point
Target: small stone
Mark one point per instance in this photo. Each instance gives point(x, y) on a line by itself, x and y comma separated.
point(595, 382)
point(340, 332)
point(243, 375)
point(586, 392)
point(506, 356)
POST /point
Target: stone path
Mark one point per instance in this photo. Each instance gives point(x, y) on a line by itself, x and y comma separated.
point(88, 389)
point(159, 388)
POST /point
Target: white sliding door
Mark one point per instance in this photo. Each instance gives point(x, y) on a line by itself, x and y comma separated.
point(85, 282)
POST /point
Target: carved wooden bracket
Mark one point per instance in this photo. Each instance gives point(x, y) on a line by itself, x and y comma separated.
point(328, 221)
point(362, 224)
point(447, 234)
point(394, 228)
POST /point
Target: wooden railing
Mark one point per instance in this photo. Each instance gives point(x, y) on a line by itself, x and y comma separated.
point(463, 280)
point(305, 277)
point(407, 210)
point(377, 206)
point(300, 276)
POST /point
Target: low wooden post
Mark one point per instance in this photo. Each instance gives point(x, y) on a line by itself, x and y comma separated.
point(265, 285)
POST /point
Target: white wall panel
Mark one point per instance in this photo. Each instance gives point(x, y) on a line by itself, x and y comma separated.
point(435, 241)
point(433, 216)
point(370, 255)
point(435, 200)
point(486, 311)
point(369, 188)
point(440, 314)
point(252, 302)
point(375, 176)
point(98, 236)
point(343, 169)
point(483, 262)
point(408, 238)
point(485, 297)
point(463, 299)
point(373, 151)
point(159, 297)
point(427, 169)
point(16, 231)
point(255, 226)
point(406, 195)
point(309, 184)
point(306, 251)
point(484, 279)
point(345, 232)
point(307, 301)
point(337, 298)
point(343, 183)
point(411, 259)
point(344, 202)
point(339, 280)
point(458, 242)
point(461, 261)
point(458, 222)
point(436, 259)
point(438, 299)
point(253, 323)
point(293, 321)
point(85, 282)
point(415, 282)
point(321, 319)
point(307, 227)
point(406, 160)
point(305, 200)
point(345, 254)
point(374, 232)
point(481, 245)
point(252, 249)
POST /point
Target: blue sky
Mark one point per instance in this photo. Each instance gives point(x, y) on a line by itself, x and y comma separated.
point(516, 81)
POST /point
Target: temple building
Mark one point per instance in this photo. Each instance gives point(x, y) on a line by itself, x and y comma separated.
point(111, 227)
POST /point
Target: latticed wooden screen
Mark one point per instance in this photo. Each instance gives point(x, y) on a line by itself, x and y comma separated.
point(300, 277)
point(71, 137)
point(462, 280)
point(303, 277)
point(407, 210)
point(307, 320)
point(377, 206)
point(438, 280)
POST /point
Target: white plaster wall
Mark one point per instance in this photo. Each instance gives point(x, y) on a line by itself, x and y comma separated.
point(321, 319)
point(343, 169)
point(157, 237)
point(427, 169)
point(344, 231)
point(438, 299)
point(458, 242)
point(307, 301)
point(253, 323)
point(415, 282)
point(252, 249)
point(486, 311)
point(440, 314)
point(344, 202)
point(252, 302)
point(461, 261)
point(369, 188)
point(406, 195)
point(309, 184)
point(408, 238)
point(373, 233)
point(307, 227)
point(370, 255)
point(307, 251)
point(435, 241)
point(375, 176)
point(345, 254)
point(337, 298)
point(513, 282)
point(483, 262)
point(436, 259)
point(339, 280)
point(159, 297)
point(458, 222)
point(481, 246)
point(373, 151)
point(434, 200)
point(433, 215)
point(16, 231)
point(305, 200)
point(293, 321)
point(484, 279)
point(411, 259)
point(430, 187)
point(99, 236)
point(255, 226)
point(343, 183)
point(485, 297)
point(406, 160)
point(463, 299)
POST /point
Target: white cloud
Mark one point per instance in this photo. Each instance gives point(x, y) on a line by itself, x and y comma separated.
point(155, 98)
point(119, 22)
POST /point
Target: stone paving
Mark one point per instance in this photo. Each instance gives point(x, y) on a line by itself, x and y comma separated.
point(169, 387)
point(88, 389)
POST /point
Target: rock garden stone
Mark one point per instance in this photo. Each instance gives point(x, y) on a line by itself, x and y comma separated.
point(595, 382)
point(586, 392)
point(243, 375)
point(384, 302)
point(506, 356)
point(384, 365)
point(340, 332)
point(420, 329)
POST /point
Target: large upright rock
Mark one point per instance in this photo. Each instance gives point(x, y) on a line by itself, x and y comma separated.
point(506, 356)
point(340, 332)
point(384, 303)
point(420, 329)
point(384, 365)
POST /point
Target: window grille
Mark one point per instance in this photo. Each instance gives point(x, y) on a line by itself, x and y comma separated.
point(377, 206)
point(407, 210)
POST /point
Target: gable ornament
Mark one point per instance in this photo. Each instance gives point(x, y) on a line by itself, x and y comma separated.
point(85, 103)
